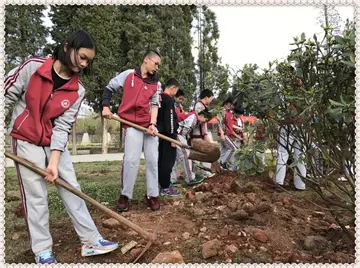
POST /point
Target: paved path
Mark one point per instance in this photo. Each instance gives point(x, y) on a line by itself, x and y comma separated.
point(85, 158)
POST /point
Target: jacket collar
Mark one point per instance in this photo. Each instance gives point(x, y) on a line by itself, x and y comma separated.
point(151, 79)
point(45, 71)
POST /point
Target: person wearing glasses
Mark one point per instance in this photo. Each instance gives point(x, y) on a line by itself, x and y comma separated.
point(140, 102)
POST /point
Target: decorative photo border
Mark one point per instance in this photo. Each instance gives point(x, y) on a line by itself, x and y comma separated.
point(269, 3)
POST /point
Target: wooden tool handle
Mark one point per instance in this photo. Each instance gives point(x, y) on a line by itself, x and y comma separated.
point(145, 130)
point(80, 194)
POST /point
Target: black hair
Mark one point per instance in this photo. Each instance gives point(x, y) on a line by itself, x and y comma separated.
point(206, 114)
point(152, 53)
point(75, 41)
point(180, 93)
point(172, 82)
point(206, 93)
point(238, 110)
point(228, 100)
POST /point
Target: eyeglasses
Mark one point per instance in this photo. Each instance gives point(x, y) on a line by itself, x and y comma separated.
point(156, 63)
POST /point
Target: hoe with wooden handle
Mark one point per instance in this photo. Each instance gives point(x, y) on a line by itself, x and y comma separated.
point(200, 150)
point(64, 184)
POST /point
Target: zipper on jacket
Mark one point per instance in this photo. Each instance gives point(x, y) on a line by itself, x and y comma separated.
point(41, 116)
point(137, 99)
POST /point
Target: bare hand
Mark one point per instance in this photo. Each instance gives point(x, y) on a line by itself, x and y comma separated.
point(151, 130)
point(52, 170)
point(106, 113)
point(222, 137)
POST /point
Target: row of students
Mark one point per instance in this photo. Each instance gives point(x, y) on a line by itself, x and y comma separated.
point(179, 125)
point(230, 130)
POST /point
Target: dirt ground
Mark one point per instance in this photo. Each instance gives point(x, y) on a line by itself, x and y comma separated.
point(248, 221)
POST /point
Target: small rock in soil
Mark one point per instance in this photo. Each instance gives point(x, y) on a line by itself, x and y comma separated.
point(260, 235)
point(128, 246)
point(111, 223)
point(317, 244)
point(285, 200)
point(181, 206)
point(169, 257)
point(224, 232)
point(167, 243)
point(190, 195)
point(203, 229)
point(215, 190)
point(135, 251)
point(240, 215)
point(198, 212)
point(231, 248)
point(262, 207)
point(203, 197)
point(186, 235)
point(251, 197)
point(233, 206)
point(210, 248)
point(263, 249)
point(221, 208)
point(249, 208)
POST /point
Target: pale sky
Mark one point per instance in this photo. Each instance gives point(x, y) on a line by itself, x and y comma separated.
point(262, 34)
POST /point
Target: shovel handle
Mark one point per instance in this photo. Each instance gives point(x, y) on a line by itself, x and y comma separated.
point(145, 130)
point(80, 194)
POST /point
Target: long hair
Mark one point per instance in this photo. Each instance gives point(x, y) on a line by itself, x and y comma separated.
point(75, 41)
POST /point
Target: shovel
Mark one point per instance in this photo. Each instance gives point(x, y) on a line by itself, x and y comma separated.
point(64, 184)
point(199, 150)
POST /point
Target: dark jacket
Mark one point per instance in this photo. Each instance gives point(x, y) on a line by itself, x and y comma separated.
point(167, 122)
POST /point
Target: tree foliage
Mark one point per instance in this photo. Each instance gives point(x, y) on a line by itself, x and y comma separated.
point(25, 34)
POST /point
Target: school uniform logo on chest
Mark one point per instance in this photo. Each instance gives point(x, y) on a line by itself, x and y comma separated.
point(65, 103)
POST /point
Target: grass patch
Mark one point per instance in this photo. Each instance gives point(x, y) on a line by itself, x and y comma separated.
point(99, 180)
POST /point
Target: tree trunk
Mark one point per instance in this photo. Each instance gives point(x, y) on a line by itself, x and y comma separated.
point(74, 139)
point(105, 136)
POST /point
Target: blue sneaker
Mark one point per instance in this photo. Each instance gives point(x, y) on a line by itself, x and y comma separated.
point(45, 257)
point(101, 246)
point(169, 191)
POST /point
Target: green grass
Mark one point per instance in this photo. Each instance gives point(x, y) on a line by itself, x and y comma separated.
point(99, 180)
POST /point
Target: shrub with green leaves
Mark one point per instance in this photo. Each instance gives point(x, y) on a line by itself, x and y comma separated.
point(315, 86)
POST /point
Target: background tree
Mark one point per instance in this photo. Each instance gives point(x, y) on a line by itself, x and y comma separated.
point(25, 34)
